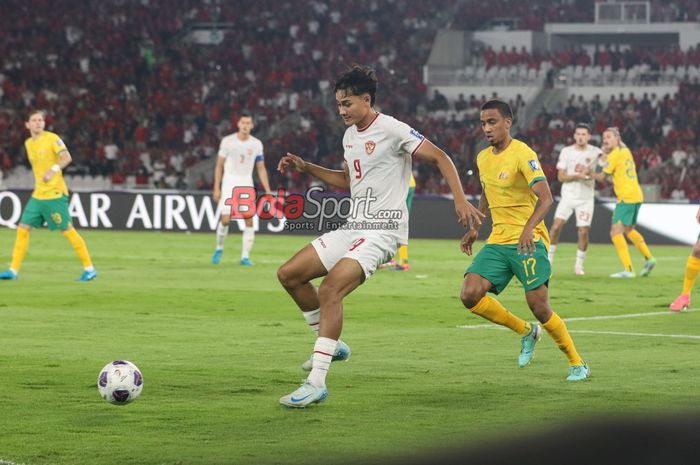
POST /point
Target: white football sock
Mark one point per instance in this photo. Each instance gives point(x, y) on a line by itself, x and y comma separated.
point(221, 232)
point(323, 354)
point(248, 239)
point(313, 318)
point(580, 257)
point(552, 249)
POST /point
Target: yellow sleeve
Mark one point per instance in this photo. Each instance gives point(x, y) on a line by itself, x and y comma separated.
point(57, 145)
point(530, 167)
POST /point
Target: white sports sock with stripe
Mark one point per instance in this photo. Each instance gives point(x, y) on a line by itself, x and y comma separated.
point(323, 354)
point(313, 318)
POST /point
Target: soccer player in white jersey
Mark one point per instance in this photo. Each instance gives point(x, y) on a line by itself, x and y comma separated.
point(378, 153)
point(575, 165)
point(239, 153)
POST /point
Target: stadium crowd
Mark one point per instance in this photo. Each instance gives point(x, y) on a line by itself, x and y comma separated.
point(130, 97)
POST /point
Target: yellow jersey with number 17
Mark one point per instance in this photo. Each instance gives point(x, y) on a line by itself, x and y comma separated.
point(624, 176)
point(506, 179)
point(43, 154)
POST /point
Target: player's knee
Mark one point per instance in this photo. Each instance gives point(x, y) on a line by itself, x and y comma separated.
point(225, 220)
point(286, 277)
point(471, 296)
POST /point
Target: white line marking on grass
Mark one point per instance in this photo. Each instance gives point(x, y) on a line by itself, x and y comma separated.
point(8, 462)
point(619, 333)
point(599, 317)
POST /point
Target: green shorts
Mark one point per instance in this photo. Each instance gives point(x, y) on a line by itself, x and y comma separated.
point(499, 262)
point(409, 198)
point(626, 213)
point(53, 212)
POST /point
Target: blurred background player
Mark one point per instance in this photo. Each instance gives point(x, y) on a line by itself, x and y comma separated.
point(48, 156)
point(516, 192)
point(619, 165)
point(574, 168)
point(692, 268)
point(402, 264)
point(378, 151)
point(238, 154)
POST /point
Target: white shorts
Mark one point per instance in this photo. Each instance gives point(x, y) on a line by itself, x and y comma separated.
point(369, 248)
point(227, 185)
point(583, 208)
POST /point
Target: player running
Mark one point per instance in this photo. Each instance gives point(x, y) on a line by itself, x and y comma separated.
point(516, 192)
point(691, 273)
point(48, 156)
point(575, 165)
point(378, 153)
point(621, 168)
point(239, 153)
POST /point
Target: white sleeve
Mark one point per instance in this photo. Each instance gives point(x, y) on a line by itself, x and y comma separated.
point(222, 149)
point(561, 163)
point(406, 139)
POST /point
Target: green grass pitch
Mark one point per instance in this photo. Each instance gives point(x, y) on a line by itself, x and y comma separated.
point(218, 345)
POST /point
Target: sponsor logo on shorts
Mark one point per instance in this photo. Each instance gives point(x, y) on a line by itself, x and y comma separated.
point(56, 217)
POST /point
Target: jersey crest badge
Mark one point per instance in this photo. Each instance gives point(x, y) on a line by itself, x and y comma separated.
point(369, 147)
point(533, 164)
point(503, 175)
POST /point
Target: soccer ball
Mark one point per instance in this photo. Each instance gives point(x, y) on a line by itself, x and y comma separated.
point(120, 382)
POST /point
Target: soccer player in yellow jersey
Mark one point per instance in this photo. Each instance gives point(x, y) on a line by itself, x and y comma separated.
point(516, 192)
point(48, 156)
point(692, 268)
point(620, 167)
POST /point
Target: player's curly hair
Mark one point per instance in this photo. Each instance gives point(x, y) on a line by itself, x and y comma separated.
point(358, 80)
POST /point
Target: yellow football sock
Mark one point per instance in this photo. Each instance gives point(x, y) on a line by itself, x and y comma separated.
point(557, 330)
point(623, 251)
point(79, 245)
point(638, 241)
point(691, 273)
point(20, 249)
point(492, 310)
point(403, 255)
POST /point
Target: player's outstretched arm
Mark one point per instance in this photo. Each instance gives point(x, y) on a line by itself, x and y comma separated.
point(467, 215)
point(472, 235)
point(335, 178)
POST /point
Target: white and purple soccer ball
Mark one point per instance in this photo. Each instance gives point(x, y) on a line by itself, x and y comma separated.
point(120, 382)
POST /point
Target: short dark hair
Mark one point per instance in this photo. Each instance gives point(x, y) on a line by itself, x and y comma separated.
point(34, 111)
point(357, 80)
point(245, 114)
point(585, 126)
point(498, 104)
